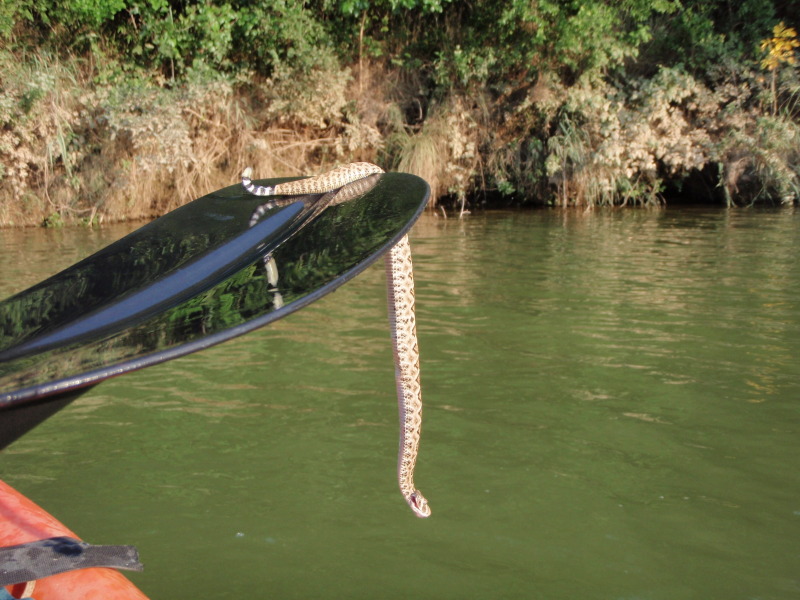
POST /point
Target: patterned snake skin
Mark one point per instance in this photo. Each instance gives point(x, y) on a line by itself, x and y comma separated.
point(400, 285)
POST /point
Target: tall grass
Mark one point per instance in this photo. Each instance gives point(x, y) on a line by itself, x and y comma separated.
point(446, 149)
point(424, 155)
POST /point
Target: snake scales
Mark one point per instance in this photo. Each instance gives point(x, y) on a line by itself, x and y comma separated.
point(402, 321)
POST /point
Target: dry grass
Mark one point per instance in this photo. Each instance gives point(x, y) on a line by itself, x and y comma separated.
point(139, 150)
point(70, 152)
point(446, 150)
point(425, 155)
point(40, 145)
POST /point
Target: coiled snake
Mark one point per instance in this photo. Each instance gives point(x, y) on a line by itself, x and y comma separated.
point(400, 285)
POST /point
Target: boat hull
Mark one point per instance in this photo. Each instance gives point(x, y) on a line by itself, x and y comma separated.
point(23, 521)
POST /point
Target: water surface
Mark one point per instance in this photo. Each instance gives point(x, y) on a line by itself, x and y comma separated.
point(612, 409)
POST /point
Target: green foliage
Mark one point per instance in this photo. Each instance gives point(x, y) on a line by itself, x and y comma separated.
point(483, 42)
point(177, 40)
point(92, 13)
point(53, 221)
point(468, 93)
point(289, 34)
point(458, 67)
point(355, 7)
point(9, 14)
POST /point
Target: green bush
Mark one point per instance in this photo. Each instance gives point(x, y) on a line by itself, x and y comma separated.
point(574, 101)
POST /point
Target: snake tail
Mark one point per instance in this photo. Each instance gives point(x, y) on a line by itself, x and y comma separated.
point(400, 287)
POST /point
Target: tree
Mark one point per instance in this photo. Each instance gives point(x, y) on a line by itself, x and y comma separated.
point(780, 49)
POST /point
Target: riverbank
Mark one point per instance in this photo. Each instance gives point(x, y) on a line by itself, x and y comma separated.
point(92, 133)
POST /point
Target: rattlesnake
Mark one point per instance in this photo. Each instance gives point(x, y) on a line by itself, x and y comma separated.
point(402, 321)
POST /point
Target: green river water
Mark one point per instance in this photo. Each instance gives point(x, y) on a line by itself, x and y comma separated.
point(612, 409)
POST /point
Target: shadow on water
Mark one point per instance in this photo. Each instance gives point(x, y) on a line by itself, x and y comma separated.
point(611, 412)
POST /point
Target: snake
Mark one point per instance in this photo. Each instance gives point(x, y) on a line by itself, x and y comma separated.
point(402, 319)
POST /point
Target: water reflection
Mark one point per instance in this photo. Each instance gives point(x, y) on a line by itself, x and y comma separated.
point(185, 293)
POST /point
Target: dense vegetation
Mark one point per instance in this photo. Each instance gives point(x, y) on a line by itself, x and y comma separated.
point(125, 108)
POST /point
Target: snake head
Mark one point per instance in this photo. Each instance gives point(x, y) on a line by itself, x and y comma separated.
point(419, 505)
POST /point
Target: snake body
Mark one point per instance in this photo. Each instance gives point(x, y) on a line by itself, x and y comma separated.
point(402, 321)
